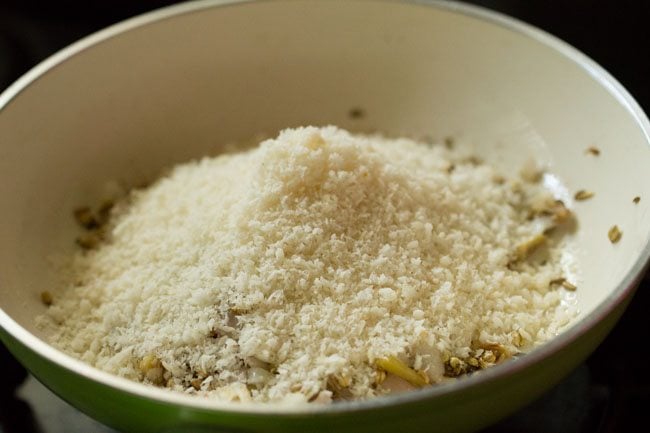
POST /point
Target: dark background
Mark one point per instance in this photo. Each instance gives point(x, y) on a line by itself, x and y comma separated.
point(608, 393)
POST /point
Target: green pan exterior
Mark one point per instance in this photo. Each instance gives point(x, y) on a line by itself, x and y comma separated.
point(463, 411)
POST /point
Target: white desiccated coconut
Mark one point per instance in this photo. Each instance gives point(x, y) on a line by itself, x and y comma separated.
point(308, 258)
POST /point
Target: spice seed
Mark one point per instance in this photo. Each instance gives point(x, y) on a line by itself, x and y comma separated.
point(85, 218)
point(614, 234)
point(636, 199)
point(357, 113)
point(449, 142)
point(46, 298)
point(583, 195)
point(592, 150)
point(570, 287)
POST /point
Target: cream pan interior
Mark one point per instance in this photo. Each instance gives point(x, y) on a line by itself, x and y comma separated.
point(159, 89)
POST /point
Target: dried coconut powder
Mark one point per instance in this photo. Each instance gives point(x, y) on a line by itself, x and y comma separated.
point(290, 272)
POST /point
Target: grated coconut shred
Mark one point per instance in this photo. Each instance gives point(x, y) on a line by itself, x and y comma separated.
point(320, 265)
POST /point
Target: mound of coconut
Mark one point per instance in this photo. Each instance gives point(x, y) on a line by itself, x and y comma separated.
point(318, 266)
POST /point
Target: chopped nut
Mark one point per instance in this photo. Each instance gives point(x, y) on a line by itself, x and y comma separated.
point(583, 195)
point(614, 234)
point(592, 150)
point(46, 298)
point(636, 199)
